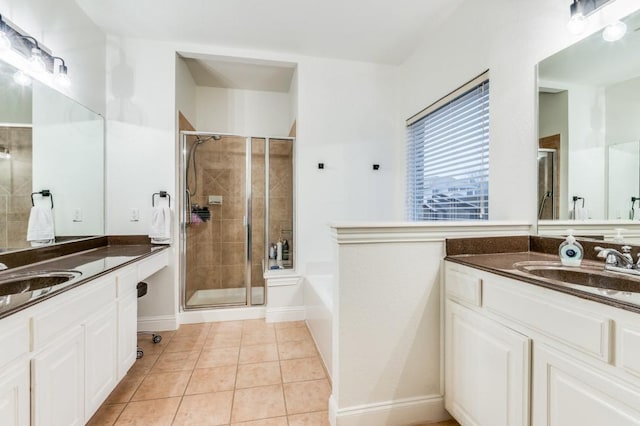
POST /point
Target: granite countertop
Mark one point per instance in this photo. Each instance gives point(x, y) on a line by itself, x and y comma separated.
point(92, 263)
point(502, 263)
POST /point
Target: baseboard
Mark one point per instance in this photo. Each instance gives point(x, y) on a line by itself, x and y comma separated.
point(222, 314)
point(159, 323)
point(290, 313)
point(408, 411)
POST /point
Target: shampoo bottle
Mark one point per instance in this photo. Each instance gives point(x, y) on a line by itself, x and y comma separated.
point(571, 252)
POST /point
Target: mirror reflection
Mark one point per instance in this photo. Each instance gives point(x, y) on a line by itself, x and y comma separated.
point(51, 154)
point(589, 136)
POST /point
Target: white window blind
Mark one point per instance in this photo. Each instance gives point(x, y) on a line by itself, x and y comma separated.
point(448, 156)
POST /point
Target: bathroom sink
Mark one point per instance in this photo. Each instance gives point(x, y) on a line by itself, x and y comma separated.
point(34, 280)
point(584, 275)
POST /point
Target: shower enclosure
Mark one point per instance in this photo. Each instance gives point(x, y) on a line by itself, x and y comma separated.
point(547, 184)
point(237, 202)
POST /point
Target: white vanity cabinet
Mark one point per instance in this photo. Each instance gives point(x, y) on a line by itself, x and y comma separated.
point(14, 371)
point(60, 359)
point(519, 354)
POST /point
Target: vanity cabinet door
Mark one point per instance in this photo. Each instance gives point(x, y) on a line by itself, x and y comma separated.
point(101, 353)
point(127, 332)
point(566, 392)
point(57, 386)
point(486, 370)
point(14, 394)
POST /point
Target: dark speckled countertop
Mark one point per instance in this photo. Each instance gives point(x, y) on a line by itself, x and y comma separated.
point(92, 263)
point(489, 257)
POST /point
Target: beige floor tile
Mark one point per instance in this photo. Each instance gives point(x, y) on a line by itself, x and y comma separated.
point(447, 423)
point(261, 374)
point(302, 369)
point(125, 389)
point(275, 421)
point(190, 330)
point(258, 353)
point(297, 349)
point(225, 326)
point(218, 358)
point(217, 379)
point(252, 326)
point(158, 412)
point(320, 418)
point(289, 324)
point(223, 340)
point(162, 385)
point(257, 403)
point(293, 334)
point(144, 364)
point(306, 397)
point(258, 337)
point(186, 344)
point(175, 361)
point(106, 415)
point(205, 409)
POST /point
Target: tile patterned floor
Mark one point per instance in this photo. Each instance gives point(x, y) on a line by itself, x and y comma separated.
point(244, 373)
point(240, 373)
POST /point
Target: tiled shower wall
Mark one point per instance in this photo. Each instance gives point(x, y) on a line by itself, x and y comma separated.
point(15, 187)
point(215, 249)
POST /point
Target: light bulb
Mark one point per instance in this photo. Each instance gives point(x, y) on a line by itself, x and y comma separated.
point(577, 24)
point(615, 31)
point(36, 62)
point(62, 77)
point(21, 78)
point(5, 42)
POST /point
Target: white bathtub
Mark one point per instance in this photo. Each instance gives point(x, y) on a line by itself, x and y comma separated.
point(318, 302)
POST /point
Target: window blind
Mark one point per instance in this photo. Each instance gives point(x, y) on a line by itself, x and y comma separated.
point(448, 157)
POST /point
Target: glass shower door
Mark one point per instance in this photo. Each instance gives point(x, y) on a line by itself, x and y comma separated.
point(215, 222)
point(547, 184)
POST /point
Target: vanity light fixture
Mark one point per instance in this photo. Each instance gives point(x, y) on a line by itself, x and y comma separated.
point(615, 31)
point(62, 76)
point(39, 59)
point(579, 10)
point(5, 41)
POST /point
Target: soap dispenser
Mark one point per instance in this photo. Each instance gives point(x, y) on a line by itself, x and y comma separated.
point(571, 251)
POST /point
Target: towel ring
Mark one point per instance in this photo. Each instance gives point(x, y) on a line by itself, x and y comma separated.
point(161, 194)
point(44, 193)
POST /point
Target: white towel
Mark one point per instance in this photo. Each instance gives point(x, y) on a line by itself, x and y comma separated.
point(160, 225)
point(40, 230)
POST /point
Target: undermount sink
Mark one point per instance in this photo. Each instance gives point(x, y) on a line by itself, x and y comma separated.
point(584, 275)
point(34, 280)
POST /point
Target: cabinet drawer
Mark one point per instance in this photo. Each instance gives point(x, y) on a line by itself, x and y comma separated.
point(629, 348)
point(585, 330)
point(14, 338)
point(61, 315)
point(463, 286)
point(152, 264)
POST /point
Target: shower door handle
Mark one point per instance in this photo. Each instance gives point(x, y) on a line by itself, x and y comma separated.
point(244, 220)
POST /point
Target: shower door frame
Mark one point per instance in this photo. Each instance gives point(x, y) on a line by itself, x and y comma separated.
point(247, 220)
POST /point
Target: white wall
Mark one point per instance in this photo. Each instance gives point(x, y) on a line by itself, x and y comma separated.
point(64, 28)
point(185, 91)
point(344, 120)
point(508, 38)
point(242, 112)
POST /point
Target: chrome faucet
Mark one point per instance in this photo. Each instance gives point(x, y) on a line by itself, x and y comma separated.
point(617, 261)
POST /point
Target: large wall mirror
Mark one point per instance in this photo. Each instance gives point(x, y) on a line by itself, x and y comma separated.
point(48, 142)
point(589, 131)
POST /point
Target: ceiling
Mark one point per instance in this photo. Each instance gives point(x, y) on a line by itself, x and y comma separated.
point(380, 31)
point(240, 75)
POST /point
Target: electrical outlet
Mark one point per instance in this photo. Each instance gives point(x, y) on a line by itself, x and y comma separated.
point(134, 215)
point(77, 215)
